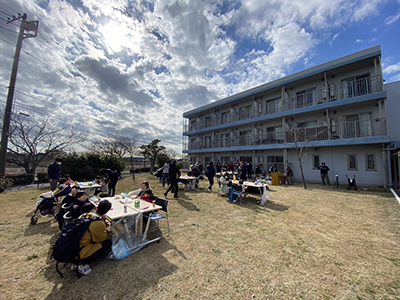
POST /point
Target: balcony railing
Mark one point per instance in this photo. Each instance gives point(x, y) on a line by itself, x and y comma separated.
point(346, 130)
point(333, 92)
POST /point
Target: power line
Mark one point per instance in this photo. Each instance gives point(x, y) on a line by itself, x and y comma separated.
point(7, 41)
point(9, 7)
point(8, 29)
point(5, 13)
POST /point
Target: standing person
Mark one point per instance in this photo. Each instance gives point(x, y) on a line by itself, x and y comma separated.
point(200, 167)
point(165, 175)
point(174, 174)
point(324, 173)
point(231, 166)
point(219, 167)
point(112, 179)
point(54, 173)
point(210, 175)
point(289, 175)
point(242, 170)
point(273, 168)
point(249, 170)
point(258, 171)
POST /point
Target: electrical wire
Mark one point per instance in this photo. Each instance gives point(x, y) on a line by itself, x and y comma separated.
point(8, 29)
point(9, 7)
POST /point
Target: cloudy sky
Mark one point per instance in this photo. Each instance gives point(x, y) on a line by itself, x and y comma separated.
point(133, 67)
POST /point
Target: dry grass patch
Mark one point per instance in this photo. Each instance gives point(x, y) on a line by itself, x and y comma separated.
point(319, 243)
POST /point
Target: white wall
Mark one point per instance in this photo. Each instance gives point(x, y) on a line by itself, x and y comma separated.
point(336, 159)
point(393, 109)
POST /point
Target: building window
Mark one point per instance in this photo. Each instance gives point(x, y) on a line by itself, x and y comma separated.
point(370, 162)
point(355, 86)
point(225, 118)
point(274, 106)
point(207, 122)
point(244, 112)
point(316, 161)
point(305, 98)
point(245, 138)
point(352, 162)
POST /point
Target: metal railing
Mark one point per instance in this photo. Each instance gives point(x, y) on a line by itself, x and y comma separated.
point(346, 89)
point(345, 130)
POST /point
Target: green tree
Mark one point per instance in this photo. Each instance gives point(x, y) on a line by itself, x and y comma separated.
point(152, 151)
point(86, 165)
point(162, 159)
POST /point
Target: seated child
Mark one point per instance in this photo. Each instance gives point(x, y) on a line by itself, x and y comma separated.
point(147, 196)
point(67, 201)
point(76, 206)
point(103, 187)
point(242, 186)
point(87, 208)
point(94, 242)
point(69, 180)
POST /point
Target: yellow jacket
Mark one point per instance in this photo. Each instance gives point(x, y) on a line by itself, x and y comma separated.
point(92, 238)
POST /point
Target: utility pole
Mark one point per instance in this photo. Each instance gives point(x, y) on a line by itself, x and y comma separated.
point(27, 29)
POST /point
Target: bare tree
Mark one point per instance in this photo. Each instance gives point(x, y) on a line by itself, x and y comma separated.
point(32, 140)
point(172, 153)
point(112, 145)
point(301, 137)
point(131, 148)
point(117, 145)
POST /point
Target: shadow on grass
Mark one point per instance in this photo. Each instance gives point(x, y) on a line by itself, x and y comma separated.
point(42, 227)
point(183, 201)
point(114, 279)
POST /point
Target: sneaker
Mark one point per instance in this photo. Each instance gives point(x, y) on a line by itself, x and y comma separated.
point(208, 190)
point(84, 269)
point(176, 196)
point(165, 194)
point(73, 267)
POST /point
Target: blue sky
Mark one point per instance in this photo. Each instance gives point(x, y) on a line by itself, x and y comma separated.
point(133, 67)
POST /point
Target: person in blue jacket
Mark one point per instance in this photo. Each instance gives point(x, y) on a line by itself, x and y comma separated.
point(210, 175)
point(112, 178)
point(54, 173)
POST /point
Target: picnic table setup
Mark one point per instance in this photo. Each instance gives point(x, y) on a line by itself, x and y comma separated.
point(88, 186)
point(127, 215)
point(256, 187)
point(188, 181)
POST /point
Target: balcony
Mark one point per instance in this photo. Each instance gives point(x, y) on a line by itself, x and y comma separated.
point(346, 130)
point(345, 89)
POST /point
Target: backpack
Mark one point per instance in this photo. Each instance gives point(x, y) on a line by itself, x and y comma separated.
point(66, 248)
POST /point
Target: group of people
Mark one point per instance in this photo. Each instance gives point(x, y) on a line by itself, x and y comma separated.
point(106, 177)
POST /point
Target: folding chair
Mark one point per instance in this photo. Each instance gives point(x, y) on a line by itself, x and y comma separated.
point(156, 216)
point(240, 195)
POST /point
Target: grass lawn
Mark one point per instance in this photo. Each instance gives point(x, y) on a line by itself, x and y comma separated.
point(319, 243)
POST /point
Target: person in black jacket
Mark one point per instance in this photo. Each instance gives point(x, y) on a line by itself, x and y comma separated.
point(210, 175)
point(112, 179)
point(174, 174)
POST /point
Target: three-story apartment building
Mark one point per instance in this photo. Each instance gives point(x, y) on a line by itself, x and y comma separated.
point(336, 109)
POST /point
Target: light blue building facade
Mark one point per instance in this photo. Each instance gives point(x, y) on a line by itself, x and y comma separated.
point(340, 111)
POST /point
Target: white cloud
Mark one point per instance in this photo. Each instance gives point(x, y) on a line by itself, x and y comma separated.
point(392, 19)
point(143, 63)
point(392, 68)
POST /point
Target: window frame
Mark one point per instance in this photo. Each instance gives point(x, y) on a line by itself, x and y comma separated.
point(348, 162)
point(314, 167)
point(366, 162)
